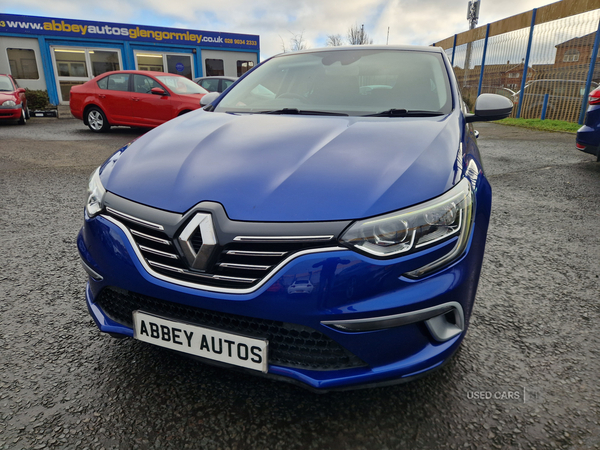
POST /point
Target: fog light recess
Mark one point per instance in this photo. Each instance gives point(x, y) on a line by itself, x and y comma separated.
point(448, 325)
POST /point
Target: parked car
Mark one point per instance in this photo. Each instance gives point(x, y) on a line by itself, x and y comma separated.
point(296, 172)
point(588, 136)
point(13, 102)
point(215, 84)
point(564, 99)
point(135, 98)
point(505, 92)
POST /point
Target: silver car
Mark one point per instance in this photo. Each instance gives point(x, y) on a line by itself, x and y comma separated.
point(216, 83)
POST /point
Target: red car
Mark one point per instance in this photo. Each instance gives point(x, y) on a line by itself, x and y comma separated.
point(13, 103)
point(134, 98)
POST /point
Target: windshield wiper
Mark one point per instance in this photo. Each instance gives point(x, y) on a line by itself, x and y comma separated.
point(302, 112)
point(405, 113)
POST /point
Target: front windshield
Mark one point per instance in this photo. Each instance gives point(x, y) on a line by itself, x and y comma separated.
point(181, 85)
point(351, 81)
point(5, 84)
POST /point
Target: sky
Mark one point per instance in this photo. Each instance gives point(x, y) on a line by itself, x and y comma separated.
point(413, 22)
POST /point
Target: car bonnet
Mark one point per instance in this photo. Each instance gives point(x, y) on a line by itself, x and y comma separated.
point(289, 168)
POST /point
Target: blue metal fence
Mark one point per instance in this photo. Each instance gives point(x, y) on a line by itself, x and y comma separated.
point(548, 53)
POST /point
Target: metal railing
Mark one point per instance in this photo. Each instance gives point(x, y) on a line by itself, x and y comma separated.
point(544, 60)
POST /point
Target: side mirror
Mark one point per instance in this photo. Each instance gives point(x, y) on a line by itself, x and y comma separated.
point(490, 107)
point(158, 91)
point(21, 91)
point(209, 98)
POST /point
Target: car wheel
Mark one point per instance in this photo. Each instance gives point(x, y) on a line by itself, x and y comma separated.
point(96, 120)
point(23, 119)
point(27, 113)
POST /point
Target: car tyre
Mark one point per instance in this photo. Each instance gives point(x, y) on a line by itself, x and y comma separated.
point(27, 113)
point(23, 119)
point(97, 120)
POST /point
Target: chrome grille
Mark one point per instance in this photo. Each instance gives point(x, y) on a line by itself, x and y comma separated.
point(241, 263)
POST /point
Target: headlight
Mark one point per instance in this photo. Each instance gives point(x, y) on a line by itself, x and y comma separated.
point(95, 194)
point(417, 227)
point(9, 104)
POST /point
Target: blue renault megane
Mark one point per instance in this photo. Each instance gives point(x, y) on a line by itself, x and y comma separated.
point(323, 221)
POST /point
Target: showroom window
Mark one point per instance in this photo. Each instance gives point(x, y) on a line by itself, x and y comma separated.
point(180, 64)
point(152, 62)
point(214, 67)
point(243, 67)
point(104, 62)
point(22, 63)
point(71, 63)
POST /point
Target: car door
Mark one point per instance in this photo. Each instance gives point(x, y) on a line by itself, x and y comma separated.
point(114, 97)
point(148, 108)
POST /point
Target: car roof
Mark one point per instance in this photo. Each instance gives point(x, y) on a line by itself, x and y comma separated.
point(420, 48)
point(143, 72)
point(216, 76)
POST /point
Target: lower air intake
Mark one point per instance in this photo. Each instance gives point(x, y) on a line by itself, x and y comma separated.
point(290, 345)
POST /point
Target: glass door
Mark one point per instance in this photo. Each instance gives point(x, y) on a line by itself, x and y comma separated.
point(180, 64)
point(74, 66)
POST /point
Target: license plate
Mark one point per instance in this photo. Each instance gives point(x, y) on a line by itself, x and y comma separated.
point(207, 343)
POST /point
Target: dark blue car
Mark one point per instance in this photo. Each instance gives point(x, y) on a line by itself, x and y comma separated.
point(588, 136)
point(322, 222)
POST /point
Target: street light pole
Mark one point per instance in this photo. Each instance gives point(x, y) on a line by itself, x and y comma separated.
point(473, 13)
point(472, 17)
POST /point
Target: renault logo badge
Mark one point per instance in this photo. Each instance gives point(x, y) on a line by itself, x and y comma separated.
point(203, 223)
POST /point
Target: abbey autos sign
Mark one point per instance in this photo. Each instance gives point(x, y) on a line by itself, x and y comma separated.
point(84, 29)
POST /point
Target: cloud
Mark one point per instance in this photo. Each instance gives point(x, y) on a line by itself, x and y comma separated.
point(409, 21)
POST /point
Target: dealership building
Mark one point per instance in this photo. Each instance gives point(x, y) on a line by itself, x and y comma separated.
point(55, 54)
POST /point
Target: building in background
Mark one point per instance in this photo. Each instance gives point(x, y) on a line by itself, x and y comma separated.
point(55, 54)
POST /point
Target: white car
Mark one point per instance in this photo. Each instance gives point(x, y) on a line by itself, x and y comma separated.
point(300, 287)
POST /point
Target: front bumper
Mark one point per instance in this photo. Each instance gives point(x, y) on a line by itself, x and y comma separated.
point(348, 288)
point(12, 113)
point(588, 136)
